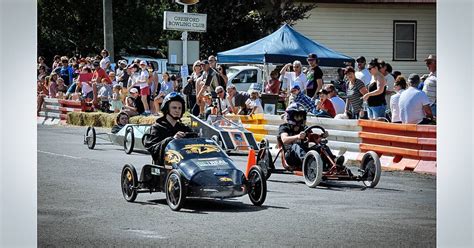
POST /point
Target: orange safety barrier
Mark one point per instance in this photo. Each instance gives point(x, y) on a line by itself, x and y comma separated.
point(400, 146)
point(251, 162)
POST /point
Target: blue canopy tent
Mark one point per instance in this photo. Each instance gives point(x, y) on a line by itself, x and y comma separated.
point(284, 46)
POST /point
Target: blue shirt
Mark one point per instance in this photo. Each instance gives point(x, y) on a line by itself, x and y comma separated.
point(306, 101)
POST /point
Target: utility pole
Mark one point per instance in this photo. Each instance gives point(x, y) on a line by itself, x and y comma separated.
point(108, 28)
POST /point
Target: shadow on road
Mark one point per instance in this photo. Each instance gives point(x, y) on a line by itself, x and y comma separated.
point(202, 206)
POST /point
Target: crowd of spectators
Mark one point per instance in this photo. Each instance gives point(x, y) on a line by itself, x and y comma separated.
point(373, 91)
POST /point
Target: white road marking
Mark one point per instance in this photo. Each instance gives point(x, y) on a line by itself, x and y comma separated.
point(62, 155)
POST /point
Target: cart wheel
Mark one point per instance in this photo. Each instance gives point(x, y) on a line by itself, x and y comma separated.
point(257, 186)
point(218, 141)
point(264, 160)
point(312, 169)
point(90, 137)
point(129, 183)
point(129, 140)
point(370, 169)
point(175, 195)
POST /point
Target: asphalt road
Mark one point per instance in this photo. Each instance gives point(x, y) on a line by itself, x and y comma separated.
point(80, 204)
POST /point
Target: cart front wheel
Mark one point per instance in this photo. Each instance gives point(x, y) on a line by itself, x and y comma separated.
point(312, 169)
point(129, 183)
point(175, 193)
point(257, 186)
point(90, 138)
point(370, 169)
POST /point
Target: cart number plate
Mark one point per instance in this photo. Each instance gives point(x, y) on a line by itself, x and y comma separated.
point(155, 171)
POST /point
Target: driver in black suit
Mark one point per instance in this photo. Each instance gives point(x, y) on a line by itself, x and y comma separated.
point(167, 127)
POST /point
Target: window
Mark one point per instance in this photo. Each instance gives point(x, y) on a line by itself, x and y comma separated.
point(247, 77)
point(404, 40)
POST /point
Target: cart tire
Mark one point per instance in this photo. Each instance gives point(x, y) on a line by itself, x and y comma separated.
point(129, 181)
point(218, 141)
point(90, 138)
point(371, 169)
point(264, 160)
point(175, 192)
point(312, 169)
point(128, 140)
point(257, 186)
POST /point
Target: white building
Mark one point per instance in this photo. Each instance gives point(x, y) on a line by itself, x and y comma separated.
point(403, 33)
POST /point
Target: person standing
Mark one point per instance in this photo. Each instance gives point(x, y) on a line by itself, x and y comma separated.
point(355, 90)
point(121, 73)
point(363, 73)
point(314, 76)
point(399, 86)
point(414, 104)
point(430, 82)
point(295, 77)
point(389, 79)
point(105, 61)
point(376, 96)
point(142, 82)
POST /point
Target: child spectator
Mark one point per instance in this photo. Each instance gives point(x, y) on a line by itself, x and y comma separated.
point(399, 86)
point(133, 103)
point(62, 89)
point(273, 85)
point(66, 72)
point(52, 87)
point(116, 102)
point(85, 85)
point(41, 93)
point(112, 78)
point(337, 102)
point(254, 104)
point(104, 95)
point(324, 108)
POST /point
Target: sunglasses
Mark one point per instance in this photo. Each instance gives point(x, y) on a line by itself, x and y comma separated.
point(371, 67)
point(220, 92)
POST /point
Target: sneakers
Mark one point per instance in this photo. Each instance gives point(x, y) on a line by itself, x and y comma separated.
point(340, 160)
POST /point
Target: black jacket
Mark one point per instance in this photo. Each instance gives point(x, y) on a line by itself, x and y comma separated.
point(159, 135)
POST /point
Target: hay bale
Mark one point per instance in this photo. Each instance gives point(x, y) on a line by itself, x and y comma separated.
point(101, 119)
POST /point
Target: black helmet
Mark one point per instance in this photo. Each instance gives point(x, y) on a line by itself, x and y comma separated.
point(295, 114)
point(173, 96)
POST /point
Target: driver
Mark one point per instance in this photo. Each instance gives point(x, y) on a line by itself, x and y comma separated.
point(292, 135)
point(167, 127)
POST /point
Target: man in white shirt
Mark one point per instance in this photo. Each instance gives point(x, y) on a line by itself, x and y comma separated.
point(430, 82)
point(363, 73)
point(337, 102)
point(295, 77)
point(414, 104)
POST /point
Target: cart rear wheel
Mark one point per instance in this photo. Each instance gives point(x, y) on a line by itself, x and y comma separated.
point(264, 160)
point(312, 169)
point(175, 192)
point(129, 181)
point(370, 169)
point(257, 186)
point(90, 137)
point(128, 140)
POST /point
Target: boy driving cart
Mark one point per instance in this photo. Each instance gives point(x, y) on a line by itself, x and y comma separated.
point(293, 135)
point(167, 127)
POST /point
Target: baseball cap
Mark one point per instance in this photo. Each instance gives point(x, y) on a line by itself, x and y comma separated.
point(143, 62)
point(96, 63)
point(312, 56)
point(123, 62)
point(133, 90)
point(360, 59)
point(414, 78)
point(431, 57)
point(295, 87)
point(205, 62)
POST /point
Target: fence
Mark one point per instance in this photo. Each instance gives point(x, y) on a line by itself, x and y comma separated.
point(56, 109)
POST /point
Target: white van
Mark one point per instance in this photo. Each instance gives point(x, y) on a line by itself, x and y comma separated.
point(245, 78)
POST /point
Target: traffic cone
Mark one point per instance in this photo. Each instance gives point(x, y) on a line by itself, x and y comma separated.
point(250, 162)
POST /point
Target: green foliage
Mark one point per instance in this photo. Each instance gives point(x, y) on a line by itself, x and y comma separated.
point(67, 27)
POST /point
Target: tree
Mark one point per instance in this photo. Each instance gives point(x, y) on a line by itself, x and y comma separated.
point(67, 26)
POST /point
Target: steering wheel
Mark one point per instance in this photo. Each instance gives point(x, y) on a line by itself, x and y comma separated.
point(191, 135)
point(323, 135)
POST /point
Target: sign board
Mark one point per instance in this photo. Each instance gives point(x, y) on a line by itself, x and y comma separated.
point(175, 51)
point(184, 21)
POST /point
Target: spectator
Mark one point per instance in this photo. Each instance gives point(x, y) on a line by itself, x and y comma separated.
point(422, 81)
point(99, 79)
point(212, 62)
point(376, 96)
point(85, 85)
point(105, 61)
point(363, 73)
point(190, 88)
point(61, 89)
point(337, 102)
point(120, 122)
point(254, 104)
point(395, 74)
point(133, 104)
point(133, 71)
point(209, 76)
point(273, 85)
point(176, 84)
point(52, 87)
point(223, 105)
point(41, 93)
point(339, 83)
point(300, 98)
point(41, 72)
point(414, 104)
point(166, 88)
point(430, 83)
point(295, 77)
point(116, 104)
point(104, 96)
point(142, 82)
point(314, 76)
point(121, 73)
point(389, 79)
point(41, 62)
point(56, 62)
point(237, 100)
point(155, 86)
point(399, 86)
point(324, 107)
point(66, 72)
point(222, 76)
point(355, 90)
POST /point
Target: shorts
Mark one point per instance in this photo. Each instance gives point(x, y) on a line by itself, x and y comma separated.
point(145, 91)
point(376, 112)
point(89, 95)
